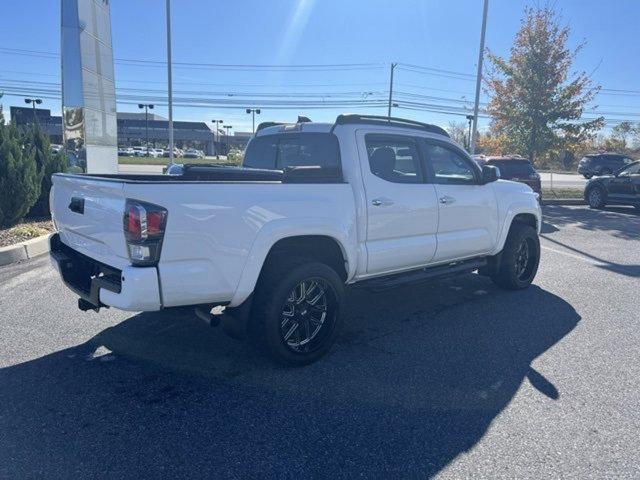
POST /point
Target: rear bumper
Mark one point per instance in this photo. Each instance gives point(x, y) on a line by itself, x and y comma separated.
point(132, 288)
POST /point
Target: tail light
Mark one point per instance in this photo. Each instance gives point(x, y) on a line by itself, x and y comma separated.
point(144, 225)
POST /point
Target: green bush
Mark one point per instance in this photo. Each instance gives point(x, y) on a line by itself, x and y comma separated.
point(20, 178)
point(48, 163)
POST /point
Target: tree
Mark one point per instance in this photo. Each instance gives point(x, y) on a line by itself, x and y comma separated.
point(47, 164)
point(458, 133)
point(622, 132)
point(535, 101)
point(19, 176)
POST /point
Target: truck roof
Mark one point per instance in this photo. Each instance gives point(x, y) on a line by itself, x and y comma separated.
point(304, 125)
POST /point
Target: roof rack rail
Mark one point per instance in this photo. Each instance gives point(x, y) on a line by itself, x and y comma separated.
point(381, 120)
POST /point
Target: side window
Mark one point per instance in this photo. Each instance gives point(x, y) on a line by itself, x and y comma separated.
point(631, 170)
point(449, 167)
point(261, 152)
point(308, 149)
point(394, 159)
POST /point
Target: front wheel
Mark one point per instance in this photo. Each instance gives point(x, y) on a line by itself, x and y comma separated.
point(296, 317)
point(520, 258)
point(596, 197)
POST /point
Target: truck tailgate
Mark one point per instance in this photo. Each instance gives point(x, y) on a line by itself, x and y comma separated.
point(88, 213)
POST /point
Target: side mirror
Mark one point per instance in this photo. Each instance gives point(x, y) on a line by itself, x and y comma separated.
point(490, 174)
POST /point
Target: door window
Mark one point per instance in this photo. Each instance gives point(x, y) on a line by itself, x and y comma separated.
point(393, 158)
point(449, 167)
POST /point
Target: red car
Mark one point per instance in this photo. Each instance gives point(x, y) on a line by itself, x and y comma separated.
point(517, 169)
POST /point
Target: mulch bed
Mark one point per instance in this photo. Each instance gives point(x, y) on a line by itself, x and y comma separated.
point(27, 229)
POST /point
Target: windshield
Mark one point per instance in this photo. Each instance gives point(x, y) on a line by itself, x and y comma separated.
point(513, 168)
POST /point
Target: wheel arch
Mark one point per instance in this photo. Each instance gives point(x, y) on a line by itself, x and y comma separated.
point(327, 245)
point(518, 215)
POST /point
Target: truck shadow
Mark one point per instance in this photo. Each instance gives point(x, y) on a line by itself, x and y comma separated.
point(415, 380)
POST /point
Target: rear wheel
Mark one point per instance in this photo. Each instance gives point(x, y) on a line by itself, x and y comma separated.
point(296, 316)
point(587, 176)
point(519, 259)
point(596, 197)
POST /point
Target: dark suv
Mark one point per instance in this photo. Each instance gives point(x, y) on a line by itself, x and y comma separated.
point(602, 164)
point(516, 169)
point(623, 188)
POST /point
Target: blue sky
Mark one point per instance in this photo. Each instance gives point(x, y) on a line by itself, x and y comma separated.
point(440, 35)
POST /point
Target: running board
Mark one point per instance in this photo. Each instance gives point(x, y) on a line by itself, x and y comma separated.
point(427, 273)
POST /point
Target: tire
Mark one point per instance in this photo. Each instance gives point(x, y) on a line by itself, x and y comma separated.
point(596, 197)
point(587, 176)
point(286, 296)
point(517, 269)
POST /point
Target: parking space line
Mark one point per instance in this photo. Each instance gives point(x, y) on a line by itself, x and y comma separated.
point(577, 257)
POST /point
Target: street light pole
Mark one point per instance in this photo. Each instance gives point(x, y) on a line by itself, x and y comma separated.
point(470, 118)
point(33, 102)
point(227, 128)
point(474, 133)
point(253, 112)
point(216, 134)
point(169, 82)
point(146, 107)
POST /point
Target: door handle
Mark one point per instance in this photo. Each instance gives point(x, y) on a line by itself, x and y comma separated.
point(447, 200)
point(381, 202)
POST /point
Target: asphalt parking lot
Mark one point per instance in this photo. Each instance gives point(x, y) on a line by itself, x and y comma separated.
point(456, 379)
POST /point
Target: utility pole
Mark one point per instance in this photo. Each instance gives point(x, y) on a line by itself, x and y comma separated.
point(393, 66)
point(146, 107)
point(474, 133)
point(169, 82)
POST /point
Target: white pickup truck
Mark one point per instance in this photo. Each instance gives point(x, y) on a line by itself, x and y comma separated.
point(370, 200)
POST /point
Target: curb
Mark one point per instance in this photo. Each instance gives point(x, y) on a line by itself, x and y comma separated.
point(24, 250)
point(563, 201)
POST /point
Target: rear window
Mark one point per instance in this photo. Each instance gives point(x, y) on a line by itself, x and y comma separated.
point(292, 149)
point(513, 168)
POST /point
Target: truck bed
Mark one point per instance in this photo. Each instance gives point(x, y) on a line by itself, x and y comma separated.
point(213, 173)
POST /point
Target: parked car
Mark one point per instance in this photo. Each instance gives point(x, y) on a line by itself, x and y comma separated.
point(602, 164)
point(368, 200)
point(517, 169)
point(139, 151)
point(176, 153)
point(621, 188)
point(193, 153)
point(126, 152)
point(55, 148)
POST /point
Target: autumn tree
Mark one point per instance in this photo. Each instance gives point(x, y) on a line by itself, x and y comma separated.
point(536, 102)
point(458, 133)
